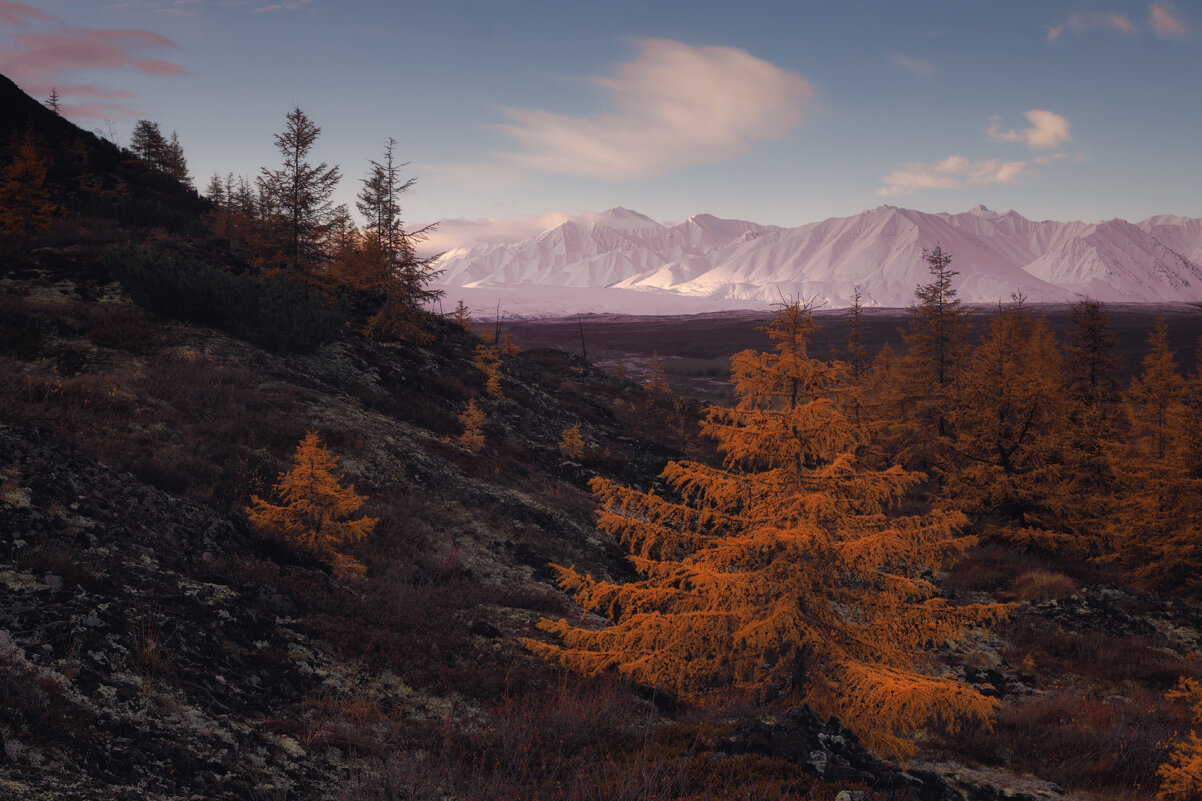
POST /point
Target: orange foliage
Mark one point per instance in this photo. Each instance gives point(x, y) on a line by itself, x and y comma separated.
point(462, 316)
point(488, 361)
point(781, 573)
point(572, 444)
point(1181, 776)
point(1006, 425)
point(915, 390)
point(472, 420)
point(316, 511)
point(1157, 529)
point(658, 380)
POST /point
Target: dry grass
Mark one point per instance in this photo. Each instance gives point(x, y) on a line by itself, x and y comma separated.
point(1037, 586)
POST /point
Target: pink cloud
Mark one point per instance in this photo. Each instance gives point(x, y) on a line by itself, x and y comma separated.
point(1165, 23)
point(42, 55)
point(1091, 21)
point(119, 37)
point(17, 14)
point(674, 105)
point(44, 88)
point(37, 61)
point(953, 172)
point(157, 66)
point(95, 111)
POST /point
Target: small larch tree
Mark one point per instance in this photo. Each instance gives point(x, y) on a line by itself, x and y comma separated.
point(488, 361)
point(657, 381)
point(472, 419)
point(316, 512)
point(571, 444)
point(781, 573)
point(1181, 775)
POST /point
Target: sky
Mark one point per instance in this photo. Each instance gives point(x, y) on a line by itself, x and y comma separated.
point(512, 115)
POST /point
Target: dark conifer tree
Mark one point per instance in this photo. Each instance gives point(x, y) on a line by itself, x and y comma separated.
point(298, 195)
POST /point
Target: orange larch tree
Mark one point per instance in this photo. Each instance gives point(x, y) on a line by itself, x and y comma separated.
point(1007, 421)
point(317, 512)
point(571, 443)
point(472, 419)
point(396, 274)
point(1095, 422)
point(1156, 529)
point(488, 361)
point(1181, 775)
point(916, 405)
point(780, 574)
point(657, 380)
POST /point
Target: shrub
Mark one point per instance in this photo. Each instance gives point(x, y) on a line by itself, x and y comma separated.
point(21, 331)
point(1043, 585)
point(275, 313)
point(122, 327)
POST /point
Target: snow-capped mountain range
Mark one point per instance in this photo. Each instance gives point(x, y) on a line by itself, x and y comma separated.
point(734, 263)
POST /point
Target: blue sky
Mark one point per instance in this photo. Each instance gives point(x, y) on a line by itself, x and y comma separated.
point(780, 112)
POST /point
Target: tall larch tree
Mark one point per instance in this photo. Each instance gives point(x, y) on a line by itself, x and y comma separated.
point(780, 573)
point(175, 165)
point(1006, 460)
point(858, 365)
point(918, 401)
point(1095, 420)
point(392, 267)
point(148, 144)
point(299, 196)
point(25, 202)
point(1156, 527)
point(316, 512)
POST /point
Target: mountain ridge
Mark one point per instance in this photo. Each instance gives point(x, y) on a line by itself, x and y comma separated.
point(879, 251)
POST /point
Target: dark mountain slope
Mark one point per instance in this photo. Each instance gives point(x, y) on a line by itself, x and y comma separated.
point(91, 176)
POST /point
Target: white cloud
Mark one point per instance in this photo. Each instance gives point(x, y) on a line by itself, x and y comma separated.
point(1166, 22)
point(461, 232)
point(954, 172)
point(675, 105)
point(918, 66)
point(1047, 130)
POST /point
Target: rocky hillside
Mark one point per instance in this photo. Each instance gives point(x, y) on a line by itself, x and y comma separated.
point(153, 645)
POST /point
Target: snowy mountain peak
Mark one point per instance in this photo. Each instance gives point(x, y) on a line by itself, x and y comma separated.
point(879, 251)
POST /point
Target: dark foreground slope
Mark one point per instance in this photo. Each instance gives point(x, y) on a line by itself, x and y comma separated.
point(153, 645)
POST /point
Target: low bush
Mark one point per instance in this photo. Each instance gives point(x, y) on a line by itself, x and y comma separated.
point(22, 331)
point(122, 327)
point(1043, 585)
point(1082, 741)
point(274, 313)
